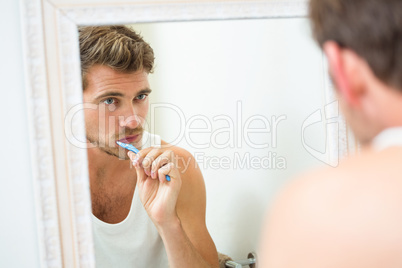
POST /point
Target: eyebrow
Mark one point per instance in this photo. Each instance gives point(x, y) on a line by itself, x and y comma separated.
point(119, 94)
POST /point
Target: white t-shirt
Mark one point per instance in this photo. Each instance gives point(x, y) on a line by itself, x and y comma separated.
point(134, 242)
point(388, 138)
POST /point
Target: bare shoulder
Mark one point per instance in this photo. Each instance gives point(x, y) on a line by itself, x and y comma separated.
point(361, 187)
point(340, 214)
point(193, 187)
point(185, 161)
point(367, 176)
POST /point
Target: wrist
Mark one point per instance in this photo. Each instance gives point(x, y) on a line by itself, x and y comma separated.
point(168, 226)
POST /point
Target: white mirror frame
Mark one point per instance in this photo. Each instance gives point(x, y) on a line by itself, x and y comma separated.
point(53, 84)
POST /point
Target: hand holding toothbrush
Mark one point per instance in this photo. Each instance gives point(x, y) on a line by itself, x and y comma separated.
point(158, 194)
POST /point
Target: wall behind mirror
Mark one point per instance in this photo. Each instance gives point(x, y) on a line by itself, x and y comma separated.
point(212, 80)
point(19, 230)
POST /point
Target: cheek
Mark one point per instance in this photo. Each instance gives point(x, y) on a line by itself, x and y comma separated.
point(96, 120)
point(89, 113)
point(91, 118)
point(141, 114)
point(144, 110)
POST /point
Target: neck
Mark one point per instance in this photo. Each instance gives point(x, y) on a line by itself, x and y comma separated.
point(104, 167)
point(391, 104)
point(112, 183)
point(383, 110)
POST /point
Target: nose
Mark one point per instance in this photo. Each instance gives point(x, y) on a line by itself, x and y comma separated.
point(130, 121)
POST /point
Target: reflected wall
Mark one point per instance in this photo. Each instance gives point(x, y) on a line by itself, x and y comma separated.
point(235, 94)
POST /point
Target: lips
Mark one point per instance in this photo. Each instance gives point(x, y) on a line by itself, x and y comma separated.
point(130, 139)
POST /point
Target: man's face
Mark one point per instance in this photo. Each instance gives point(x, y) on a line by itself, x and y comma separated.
point(118, 107)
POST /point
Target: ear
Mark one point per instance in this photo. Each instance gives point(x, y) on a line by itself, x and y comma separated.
point(338, 61)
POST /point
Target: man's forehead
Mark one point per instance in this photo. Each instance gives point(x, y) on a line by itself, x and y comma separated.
point(102, 72)
point(100, 78)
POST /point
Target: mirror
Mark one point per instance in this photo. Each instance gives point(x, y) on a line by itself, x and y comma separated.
point(54, 86)
point(236, 94)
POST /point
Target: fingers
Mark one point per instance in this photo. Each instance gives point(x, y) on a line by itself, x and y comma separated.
point(148, 161)
point(152, 159)
point(164, 171)
point(163, 159)
point(141, 176)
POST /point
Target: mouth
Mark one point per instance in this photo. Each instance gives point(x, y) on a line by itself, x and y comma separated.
point(130, 139)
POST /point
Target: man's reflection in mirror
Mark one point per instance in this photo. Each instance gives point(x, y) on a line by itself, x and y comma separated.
point(139, 218)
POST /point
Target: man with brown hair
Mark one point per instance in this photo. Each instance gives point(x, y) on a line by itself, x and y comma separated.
point(140, 219)
point(350, 216)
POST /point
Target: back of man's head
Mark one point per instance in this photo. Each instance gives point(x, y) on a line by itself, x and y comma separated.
point(117, 47)
point(371, 28)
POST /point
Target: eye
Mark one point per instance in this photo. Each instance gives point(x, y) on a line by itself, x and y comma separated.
point(141, 97)
point(109, 101)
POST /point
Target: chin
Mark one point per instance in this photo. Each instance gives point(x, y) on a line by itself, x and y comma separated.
point(115, 152)
point(125, 157)
point(122, 156)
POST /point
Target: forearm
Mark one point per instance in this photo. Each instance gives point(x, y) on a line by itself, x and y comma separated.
point(179, 249)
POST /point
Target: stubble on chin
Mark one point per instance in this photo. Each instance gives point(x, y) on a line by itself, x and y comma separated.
point(120, 153)
point(116, 151)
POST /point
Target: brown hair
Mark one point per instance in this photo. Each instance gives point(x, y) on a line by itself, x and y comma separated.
point(118, 47)
point(371, 28)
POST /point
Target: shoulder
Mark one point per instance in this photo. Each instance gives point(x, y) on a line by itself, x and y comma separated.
point(355, 185)
point(193, 187)
point(185, 161)
point(368, 176)
point(342, 213)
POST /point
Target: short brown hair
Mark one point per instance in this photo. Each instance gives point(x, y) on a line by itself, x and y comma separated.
point(118, 47)
point(371, 28)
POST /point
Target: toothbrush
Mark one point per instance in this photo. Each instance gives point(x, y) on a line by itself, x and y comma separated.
point(134, 150)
